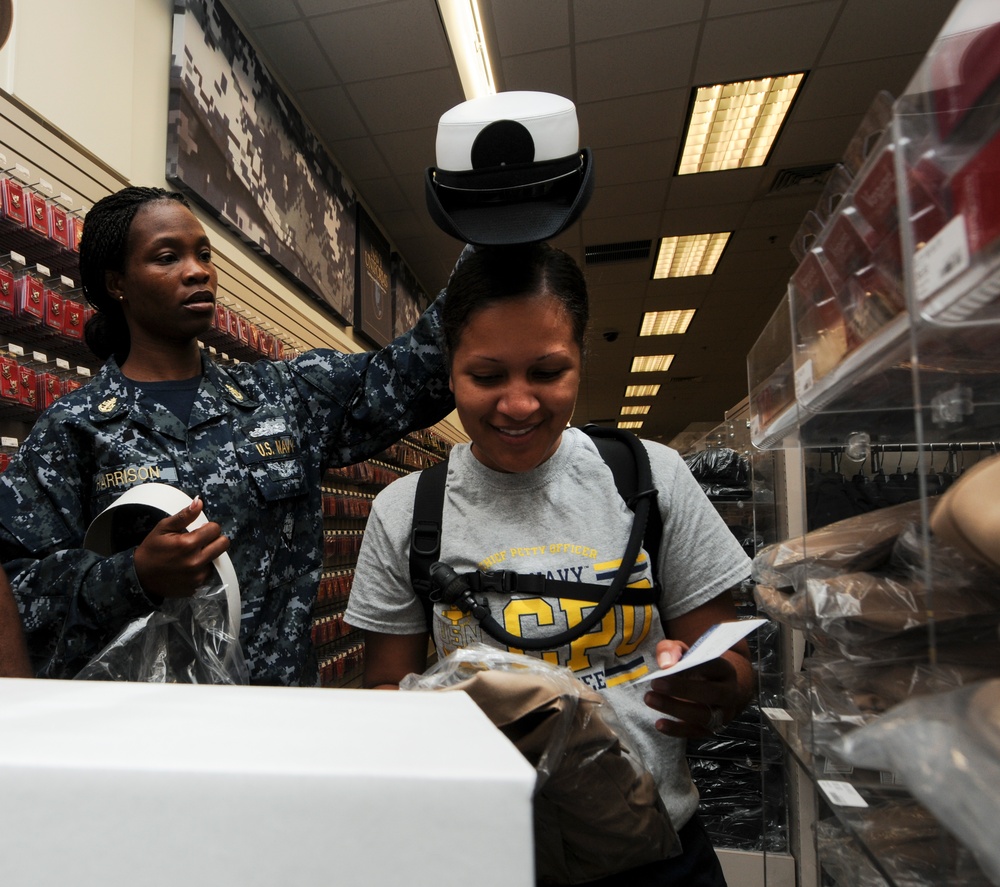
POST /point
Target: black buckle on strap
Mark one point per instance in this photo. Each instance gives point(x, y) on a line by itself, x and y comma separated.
point(499, 581)
point(425, 540)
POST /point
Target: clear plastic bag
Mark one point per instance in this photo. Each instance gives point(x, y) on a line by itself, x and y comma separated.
point(883, 604)
point(597, 809)
point(908, 842)
point(185, 641)
point(945, 748)
point(859, 543)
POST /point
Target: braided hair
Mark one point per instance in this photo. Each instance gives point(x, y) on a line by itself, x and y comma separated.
point(103, 248)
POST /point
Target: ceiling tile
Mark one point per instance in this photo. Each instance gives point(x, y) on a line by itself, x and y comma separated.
point(696, 219)
point(850, 89)
point(620, 229)
point(385, 194)
point(321, 7)
point(383, 40)
point(292, 54)
point(547, 71)
point(405, 102)
point(814, 141)
point(521, 26)
point(359, 159)
point(710, 188)
point(868, 30)
point(408, 153)
point(631, 120)
point(635, 64)
point(405, 224)
point(721, 8)
point(598, 19)
point(783, 41)
point(630, 199)
point(634, 163)
point(331, 113)
point(256, 13)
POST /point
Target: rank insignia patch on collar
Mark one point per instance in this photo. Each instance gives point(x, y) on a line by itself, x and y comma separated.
point(235, 392)
point(106, 406)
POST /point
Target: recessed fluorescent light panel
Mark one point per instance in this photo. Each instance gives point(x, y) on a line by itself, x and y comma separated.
point(666, 323)
point(652, 363)
point(635, 411)
point(642, 390)
point(633, 425)
point(689, 255)
point(464, 27)
point(734, 125)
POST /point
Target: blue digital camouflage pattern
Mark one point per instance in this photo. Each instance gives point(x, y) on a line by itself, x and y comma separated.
point(258, 443)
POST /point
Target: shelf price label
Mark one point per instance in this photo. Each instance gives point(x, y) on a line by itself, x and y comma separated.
point(941, 259)
point(841, 794)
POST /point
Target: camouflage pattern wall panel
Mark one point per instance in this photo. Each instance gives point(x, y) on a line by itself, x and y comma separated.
point(239, 147)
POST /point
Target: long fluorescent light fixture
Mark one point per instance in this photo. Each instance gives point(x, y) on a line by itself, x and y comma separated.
point(464, 27)
point(666, 323)
point(635, 411)
point(634, 425)
point(734, 125)
point(642, 390)
point(689, 255)
point(652, 363)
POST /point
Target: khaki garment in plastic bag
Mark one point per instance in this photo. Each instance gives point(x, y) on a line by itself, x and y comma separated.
point(597, 810)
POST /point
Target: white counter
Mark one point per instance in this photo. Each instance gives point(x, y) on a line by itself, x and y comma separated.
point(106, 784)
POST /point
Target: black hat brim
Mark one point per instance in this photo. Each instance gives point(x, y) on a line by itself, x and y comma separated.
point(506, 217)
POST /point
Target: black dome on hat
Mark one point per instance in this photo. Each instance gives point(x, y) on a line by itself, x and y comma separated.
point(509, 169)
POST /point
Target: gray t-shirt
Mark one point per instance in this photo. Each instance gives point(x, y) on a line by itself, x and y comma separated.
point(564, 519)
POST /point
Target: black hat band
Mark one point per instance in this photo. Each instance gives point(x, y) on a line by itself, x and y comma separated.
point(509, 176)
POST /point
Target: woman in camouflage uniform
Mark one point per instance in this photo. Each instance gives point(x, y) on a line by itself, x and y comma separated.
point(252, 442)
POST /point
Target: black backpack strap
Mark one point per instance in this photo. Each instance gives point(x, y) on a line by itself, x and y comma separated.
point(511, 582)
point(620, 458)
point(425, 537)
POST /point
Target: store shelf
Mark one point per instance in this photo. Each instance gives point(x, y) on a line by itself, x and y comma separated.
point(879, 814)
point(911, 364)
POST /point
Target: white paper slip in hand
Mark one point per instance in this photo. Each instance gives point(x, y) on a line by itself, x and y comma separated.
point(711, 645)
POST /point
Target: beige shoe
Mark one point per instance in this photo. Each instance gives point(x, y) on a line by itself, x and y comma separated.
point(967, 515)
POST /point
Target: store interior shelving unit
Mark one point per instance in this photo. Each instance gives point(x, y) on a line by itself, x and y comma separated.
point(46, 184)
point(886, 354)
point(347, 497)
point(742, 774)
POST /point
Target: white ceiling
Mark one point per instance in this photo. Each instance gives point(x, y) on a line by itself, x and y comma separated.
point(372, 77)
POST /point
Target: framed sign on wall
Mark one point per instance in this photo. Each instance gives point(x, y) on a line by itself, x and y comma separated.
point(409, 299)
point(373, 308)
